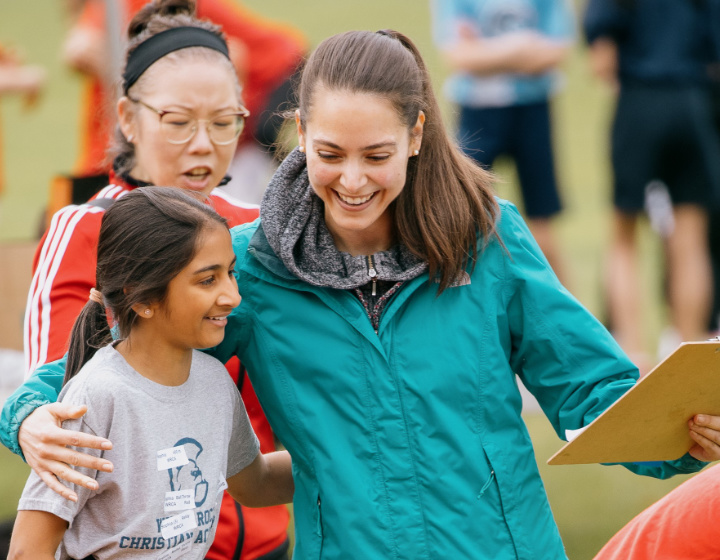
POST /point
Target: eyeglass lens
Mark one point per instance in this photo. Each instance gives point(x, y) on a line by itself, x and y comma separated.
point(179, 128)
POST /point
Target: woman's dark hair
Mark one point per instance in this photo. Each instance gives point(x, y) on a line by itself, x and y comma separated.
point(447, 198)
point(146, 238)
point(155, 17)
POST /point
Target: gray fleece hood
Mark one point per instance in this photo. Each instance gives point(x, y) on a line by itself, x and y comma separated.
point(293, 220)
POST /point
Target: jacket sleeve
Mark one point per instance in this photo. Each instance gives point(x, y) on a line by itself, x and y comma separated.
point(605, 18)
point(42, 387)
point(63, 276)
point(563, 355)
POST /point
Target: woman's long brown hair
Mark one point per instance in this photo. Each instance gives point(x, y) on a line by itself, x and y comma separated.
point(447, 199)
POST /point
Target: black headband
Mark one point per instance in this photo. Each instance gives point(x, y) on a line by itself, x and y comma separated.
point(153, 49)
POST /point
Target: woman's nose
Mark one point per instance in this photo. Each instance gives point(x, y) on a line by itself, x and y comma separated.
point(353, 177)
point(200, 142)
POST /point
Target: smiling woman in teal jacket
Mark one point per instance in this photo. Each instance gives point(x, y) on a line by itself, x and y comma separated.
point(389, 300)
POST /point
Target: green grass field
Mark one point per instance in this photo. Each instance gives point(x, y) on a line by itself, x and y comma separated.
point(590, 502)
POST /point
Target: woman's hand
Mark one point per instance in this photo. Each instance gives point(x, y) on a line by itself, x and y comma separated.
point(44, 442)
point(705, 432)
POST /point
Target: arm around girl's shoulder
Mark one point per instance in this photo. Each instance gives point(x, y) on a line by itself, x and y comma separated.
point(42, 387)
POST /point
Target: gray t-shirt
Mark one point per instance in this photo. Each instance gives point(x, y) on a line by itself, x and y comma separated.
point(173, 448)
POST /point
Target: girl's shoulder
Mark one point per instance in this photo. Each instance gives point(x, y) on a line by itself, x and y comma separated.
point(209, 377)
point(96, 379)
point(98, 386)
point(211, 366)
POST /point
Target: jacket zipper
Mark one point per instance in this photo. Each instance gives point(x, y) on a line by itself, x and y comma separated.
point(372, 273)
point(487, 484)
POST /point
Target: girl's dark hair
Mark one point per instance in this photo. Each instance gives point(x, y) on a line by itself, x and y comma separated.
point(447, 198)
point(146, 238)
point(155, 17)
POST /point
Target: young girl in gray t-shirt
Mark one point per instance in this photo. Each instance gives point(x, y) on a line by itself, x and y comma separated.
point(180, 432)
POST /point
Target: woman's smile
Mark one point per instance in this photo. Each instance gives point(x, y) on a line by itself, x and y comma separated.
point(355, 203)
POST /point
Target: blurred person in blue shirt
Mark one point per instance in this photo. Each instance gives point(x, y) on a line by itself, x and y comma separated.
point(505, 55)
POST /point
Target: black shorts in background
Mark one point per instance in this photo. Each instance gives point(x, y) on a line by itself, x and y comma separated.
point(664, 133)
point(522, 132)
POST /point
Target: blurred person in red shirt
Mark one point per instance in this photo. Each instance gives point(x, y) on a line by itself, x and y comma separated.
point(265, 55)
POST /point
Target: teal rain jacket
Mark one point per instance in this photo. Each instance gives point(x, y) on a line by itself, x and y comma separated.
point(408, 443)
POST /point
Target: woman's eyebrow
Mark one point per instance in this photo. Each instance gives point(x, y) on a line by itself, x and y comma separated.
point(388, 144)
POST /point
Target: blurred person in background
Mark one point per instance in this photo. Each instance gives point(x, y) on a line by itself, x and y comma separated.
point(656, 54)
point(18, 78)
point(681, 525)
point(715, 213)
point(265, 55)
point(180, 115)
point(505, 57)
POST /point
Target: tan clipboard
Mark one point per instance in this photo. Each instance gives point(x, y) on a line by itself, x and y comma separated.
point(649, 422)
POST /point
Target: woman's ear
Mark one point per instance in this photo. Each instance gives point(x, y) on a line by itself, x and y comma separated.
point(417, 134)
point(126, 119)
point(300, 132)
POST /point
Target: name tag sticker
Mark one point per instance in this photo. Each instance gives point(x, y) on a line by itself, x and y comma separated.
point(178, 524)
point(180, 501)
point(171, 457)
point(222, 484)
point(177, 551)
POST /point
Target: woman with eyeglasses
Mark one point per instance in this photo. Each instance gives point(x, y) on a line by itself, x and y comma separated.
point(180, 116)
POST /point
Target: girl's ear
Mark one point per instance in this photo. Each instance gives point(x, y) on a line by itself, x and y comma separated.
point(126, 119)
point(143, 310)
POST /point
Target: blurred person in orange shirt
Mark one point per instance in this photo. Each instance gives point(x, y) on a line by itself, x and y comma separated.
point(680, 525)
